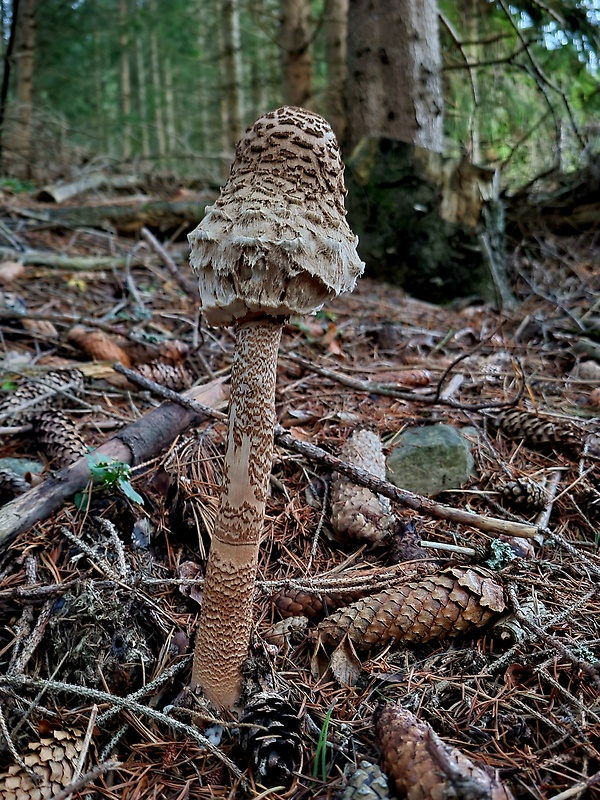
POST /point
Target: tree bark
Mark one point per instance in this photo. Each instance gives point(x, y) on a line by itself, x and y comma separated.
point(336, 51)
point(141, 440)
point(394, 86)
point(161, 139)
point(170, 107)
point(8, 65)
point(22, 126)
point(295, 41)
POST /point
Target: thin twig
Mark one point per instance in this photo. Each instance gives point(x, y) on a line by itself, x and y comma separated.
point(35, 637)
point(85, 780)
point(189, 288)
point(124, 704)
point(388, 390)
point(551, 641)
point(86, 742)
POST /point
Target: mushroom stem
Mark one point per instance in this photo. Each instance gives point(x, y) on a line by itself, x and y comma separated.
point(226, 616)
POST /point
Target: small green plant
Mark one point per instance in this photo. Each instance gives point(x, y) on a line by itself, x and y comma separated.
point(321, 751)
point(15, 185)
point(110, 475)
point(8, 385)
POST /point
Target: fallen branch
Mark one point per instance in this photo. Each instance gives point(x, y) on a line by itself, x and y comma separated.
point(389, 390)
point(411, 500)
point(189, 287)
point(45, 258)
point(60, 191)
point(126, 217)
point(133, 445)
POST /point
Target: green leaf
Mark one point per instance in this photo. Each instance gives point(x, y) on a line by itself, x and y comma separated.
point(82, 500)
point(129, 491)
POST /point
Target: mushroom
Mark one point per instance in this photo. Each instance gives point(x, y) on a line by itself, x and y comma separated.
point(275, 243)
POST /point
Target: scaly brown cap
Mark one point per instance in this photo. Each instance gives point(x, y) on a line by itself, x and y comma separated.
point(276, 242)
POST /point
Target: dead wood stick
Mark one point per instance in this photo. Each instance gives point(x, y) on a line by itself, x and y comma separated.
point(389, 390)
point(417, 502)
point(188, 287)
point(45, 258)
point(133, 445)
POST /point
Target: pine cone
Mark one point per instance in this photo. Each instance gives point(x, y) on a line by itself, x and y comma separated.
point(172, 376)
point(12, 484)
point(11, 405)
point(523, 493)
point(316, 604)
point(357, 513)
point(536, 430)
point(295, 602)
point(368, 782)
point(273, 754)
point(436, 607)
point(423, 767)
point(53, 758)
point(59, 438)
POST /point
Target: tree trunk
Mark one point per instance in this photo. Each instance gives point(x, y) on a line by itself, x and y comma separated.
point(125, 80)
point(473, 51)
point(142, 96)
point(295, 41)
point(432, 225)
point(157, 85)
point(232, 64)
point(22, 127)
point(99, 87)
point(394, 84)
point(8, 64)
point(336, 34)
point(170, 107)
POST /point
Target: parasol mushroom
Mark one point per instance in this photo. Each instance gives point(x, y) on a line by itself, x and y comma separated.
point(275, 243)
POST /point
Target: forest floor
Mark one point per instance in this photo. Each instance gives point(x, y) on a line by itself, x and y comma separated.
point(100, 600)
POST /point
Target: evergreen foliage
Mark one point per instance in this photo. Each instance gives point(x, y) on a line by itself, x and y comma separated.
point(528, 102)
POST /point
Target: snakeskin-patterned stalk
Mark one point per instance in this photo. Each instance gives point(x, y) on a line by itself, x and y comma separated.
point(226, 617)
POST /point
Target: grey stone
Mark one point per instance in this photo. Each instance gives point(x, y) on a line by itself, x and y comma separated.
point(429, 459)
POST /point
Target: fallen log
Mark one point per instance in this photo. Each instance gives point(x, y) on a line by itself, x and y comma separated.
point(46, 258)
point(133, 445)
point(125, 217)
point(59, 191)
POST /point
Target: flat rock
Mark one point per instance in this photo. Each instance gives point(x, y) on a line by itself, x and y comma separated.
point(429, 459)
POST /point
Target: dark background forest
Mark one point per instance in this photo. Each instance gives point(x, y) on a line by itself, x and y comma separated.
point(171, 86)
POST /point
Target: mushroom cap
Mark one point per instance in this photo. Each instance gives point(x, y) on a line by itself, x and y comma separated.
point(276, 242)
